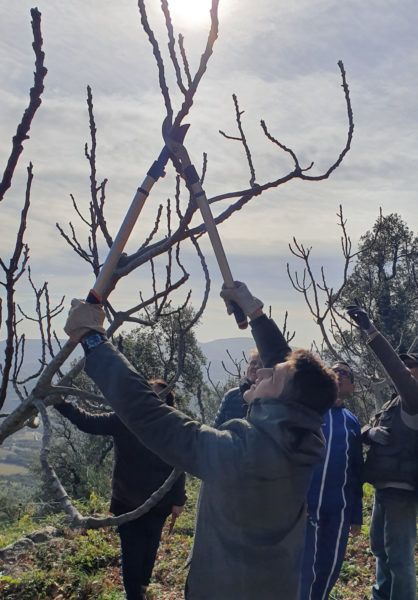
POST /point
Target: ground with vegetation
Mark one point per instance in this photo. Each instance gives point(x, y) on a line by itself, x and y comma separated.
point(85, 566)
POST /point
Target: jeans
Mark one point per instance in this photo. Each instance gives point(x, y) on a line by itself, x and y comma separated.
point(139, 541)
point(392, 541)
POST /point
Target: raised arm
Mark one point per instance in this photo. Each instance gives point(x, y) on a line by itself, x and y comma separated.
point(103, 424)
point(402, 378)
point(269, 340)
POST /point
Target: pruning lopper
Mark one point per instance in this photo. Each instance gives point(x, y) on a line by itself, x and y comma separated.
point(173, 138)
point(156, 171)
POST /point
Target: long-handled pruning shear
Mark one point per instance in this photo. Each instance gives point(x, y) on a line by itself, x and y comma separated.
point(156, 171)
point(174, 142)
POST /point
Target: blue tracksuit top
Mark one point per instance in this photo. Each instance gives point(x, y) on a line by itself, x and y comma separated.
point(336, 485)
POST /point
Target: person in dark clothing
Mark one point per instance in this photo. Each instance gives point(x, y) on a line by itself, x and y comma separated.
point(256, 471)
point(391, 466)
point(137, 473)
point(335, 495)
point(233, 405)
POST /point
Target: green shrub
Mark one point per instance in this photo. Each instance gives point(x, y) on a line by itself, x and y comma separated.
point(94, 552)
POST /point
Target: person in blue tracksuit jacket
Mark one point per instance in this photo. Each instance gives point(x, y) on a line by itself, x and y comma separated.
point(335, 495)
point(233, 405)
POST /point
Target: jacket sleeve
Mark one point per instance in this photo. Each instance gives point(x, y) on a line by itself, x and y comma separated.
point(105, 424)
point(357, 477)
point(176, 438)
point(402, 379)
point(269, 340)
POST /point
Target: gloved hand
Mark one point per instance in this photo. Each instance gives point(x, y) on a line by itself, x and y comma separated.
point(82, 318)
point(379, 435)
point(359, 316)
point(242, 296)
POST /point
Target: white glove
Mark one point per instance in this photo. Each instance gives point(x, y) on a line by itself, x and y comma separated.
point(242, 296)
point(82, 318)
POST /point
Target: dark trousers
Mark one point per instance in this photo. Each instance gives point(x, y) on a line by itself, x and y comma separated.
point(325, 544)
point(139, 541)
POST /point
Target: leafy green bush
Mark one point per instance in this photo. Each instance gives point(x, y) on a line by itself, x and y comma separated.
point(34, 585)
point(94, 552)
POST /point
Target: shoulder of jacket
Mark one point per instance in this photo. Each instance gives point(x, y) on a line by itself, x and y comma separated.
point(351, 415)
point(232, 392)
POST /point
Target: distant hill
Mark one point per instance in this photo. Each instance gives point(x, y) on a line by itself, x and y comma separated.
point(217, 351)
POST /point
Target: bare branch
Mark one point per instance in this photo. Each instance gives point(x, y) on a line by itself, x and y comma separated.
point(242, 139)
point(22, 132)
point(172, 45)
point(159, 60)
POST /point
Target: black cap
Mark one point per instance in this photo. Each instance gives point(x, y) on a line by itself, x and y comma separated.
point(409, 357)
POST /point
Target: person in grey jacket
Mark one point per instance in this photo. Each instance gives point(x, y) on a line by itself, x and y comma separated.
point(252, 514)
point(392, 467)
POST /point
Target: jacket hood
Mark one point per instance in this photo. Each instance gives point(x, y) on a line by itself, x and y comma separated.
point(293, 426)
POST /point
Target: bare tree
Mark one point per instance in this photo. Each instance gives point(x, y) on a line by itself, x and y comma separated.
point(380, 273)
point(172, 229)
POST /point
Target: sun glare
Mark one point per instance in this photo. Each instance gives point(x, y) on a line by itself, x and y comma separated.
point(190, 11)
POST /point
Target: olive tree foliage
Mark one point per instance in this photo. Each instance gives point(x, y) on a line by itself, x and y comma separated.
point(381, 276)
point(384, 280)
point(172, 231)
point(154, 351)
point(82, 462)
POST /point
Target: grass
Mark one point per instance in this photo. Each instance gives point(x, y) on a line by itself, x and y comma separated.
point(86, 566)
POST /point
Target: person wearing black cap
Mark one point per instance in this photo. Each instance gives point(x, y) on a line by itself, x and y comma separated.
point(392, 467)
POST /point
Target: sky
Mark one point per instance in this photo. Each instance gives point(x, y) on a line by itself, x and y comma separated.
point(280, 59)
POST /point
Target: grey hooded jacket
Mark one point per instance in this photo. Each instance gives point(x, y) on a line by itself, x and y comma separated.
point(251, 521)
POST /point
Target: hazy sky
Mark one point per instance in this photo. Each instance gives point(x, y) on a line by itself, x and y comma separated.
point(280, 59)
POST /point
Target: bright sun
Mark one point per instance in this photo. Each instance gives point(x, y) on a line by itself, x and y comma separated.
point(192, 11)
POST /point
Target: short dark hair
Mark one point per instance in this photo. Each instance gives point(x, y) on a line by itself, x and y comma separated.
point(342, 362)
point(312, 382)
point(168, 397)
